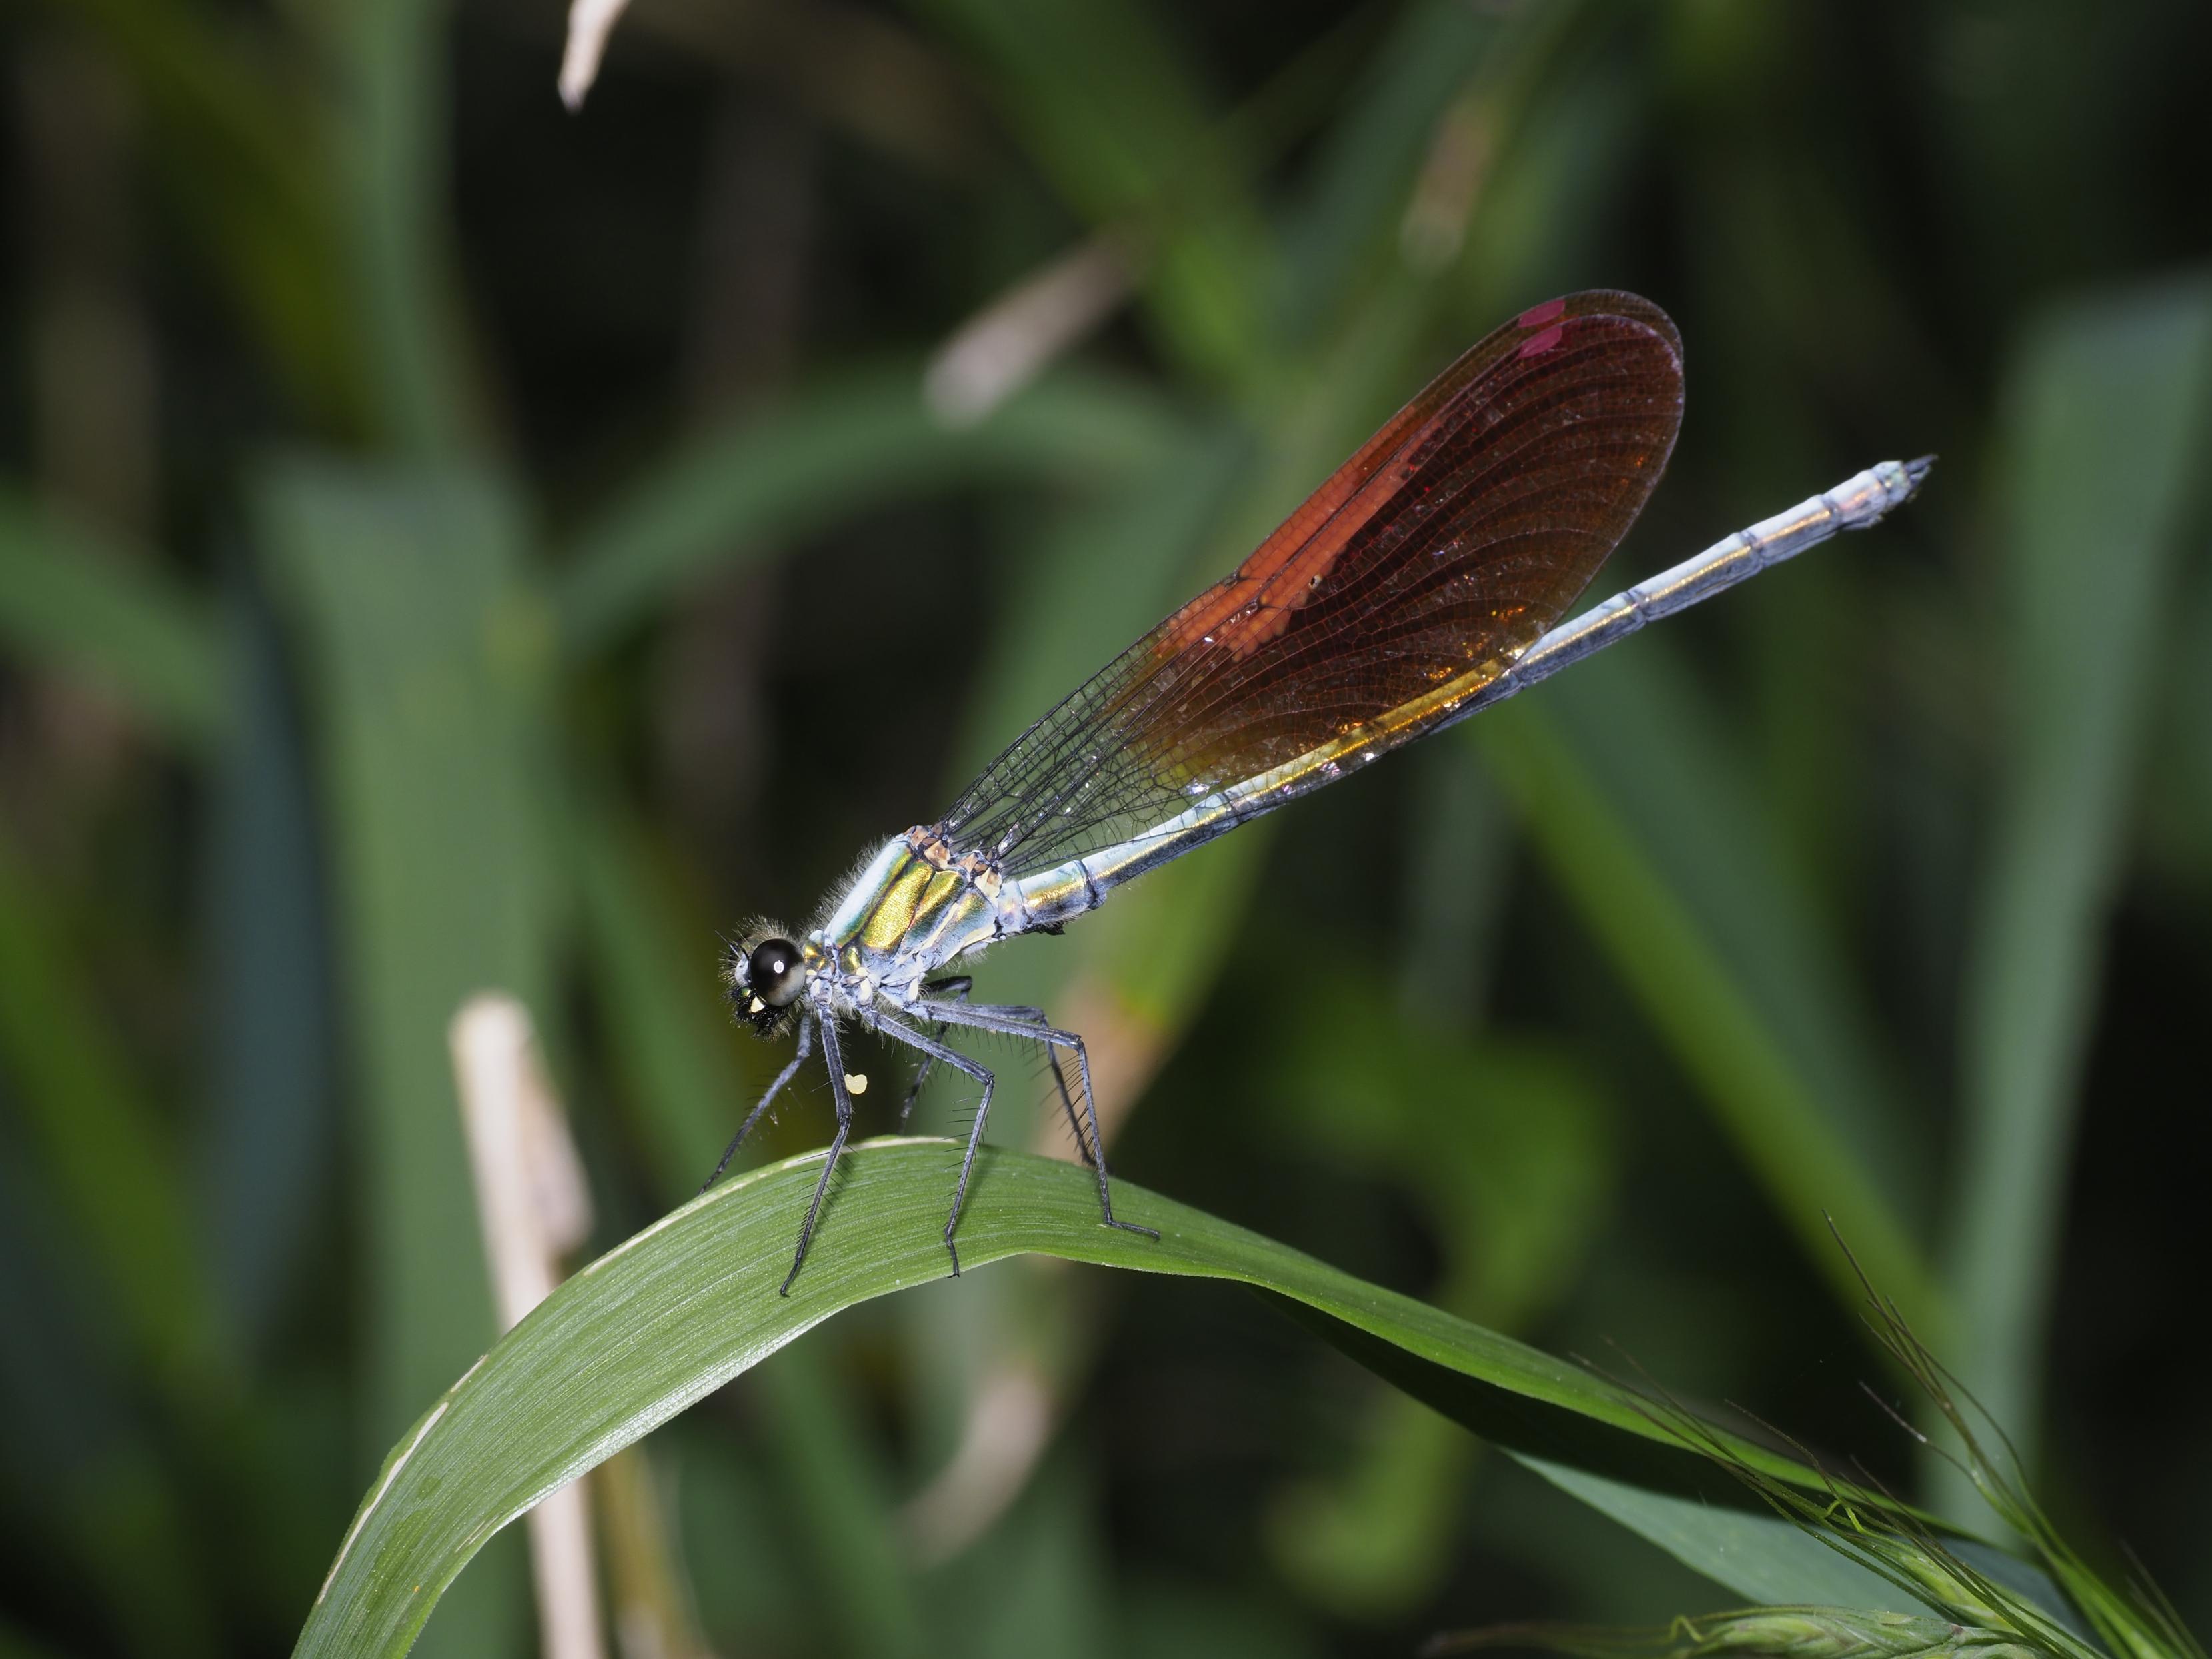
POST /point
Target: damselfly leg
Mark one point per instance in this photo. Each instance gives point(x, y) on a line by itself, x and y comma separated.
point(833, 1058)
point(798, 1058)
point(956, 989)
point(952, 989)
point(932, 1049)
point(1014, 1020)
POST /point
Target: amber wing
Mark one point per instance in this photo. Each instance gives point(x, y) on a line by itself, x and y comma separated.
point(1457, 536)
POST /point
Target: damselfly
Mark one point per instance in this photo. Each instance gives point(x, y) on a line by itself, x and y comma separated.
point(1421, 583)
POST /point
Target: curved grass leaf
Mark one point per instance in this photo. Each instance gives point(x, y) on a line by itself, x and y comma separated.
point(671, 1034)
point(668, 1317)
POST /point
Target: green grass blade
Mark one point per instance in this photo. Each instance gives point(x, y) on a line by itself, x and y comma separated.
point(1628, 798)
point(426, 655)
point(1109, 109)
point(1372, 155)
point(1760, 1557)
point(2102, 462)
point(392, 181)
point(678, 1310)
point(834, 450)
point(71, 603)
point(267, 1141)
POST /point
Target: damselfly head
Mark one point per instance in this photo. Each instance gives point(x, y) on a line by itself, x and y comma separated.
point(766, 973)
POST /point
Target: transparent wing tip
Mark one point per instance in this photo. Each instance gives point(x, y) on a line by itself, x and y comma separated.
point(1916, 471)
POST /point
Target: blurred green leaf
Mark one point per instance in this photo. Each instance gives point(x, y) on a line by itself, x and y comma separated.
point(113, 1529)
point(752, 1586)
point(839, 1499)
point(105, 1152)
point(2108, 408)
point(390, 118)
point(649, 1588)
point(426, 657)
point(1626, 792)
point(73, 602)
point(240, 145)
point(1456, 879)
point(1574, 135)
point(834, 451)
point(1174, 1620)
point(1081, 588)
point(268, 1140)
point(1507, 1149)
point(2189, 725)
point(1372, 154)
point(1112, 112)
point(868, 73)
point(679, 1309)
point(1044, 1581)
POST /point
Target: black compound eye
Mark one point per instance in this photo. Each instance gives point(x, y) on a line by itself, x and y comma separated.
point(774, 972)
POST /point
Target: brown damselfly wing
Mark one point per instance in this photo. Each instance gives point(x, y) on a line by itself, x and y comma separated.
point(1449, 543)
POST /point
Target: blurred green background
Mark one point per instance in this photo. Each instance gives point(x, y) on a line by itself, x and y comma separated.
point(449, 543)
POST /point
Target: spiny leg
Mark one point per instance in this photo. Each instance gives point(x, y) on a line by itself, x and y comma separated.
point(936, 1050)
point(1083, 1149)
point(805, 1048)
point(835, 1059)
point(1037, 1017)
point(954, 990)
point(1014, 1021)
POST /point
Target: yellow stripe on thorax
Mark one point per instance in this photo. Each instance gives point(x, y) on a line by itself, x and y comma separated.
point(916, 892)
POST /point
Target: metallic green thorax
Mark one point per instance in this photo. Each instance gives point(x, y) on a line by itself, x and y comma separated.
point(908, 912)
